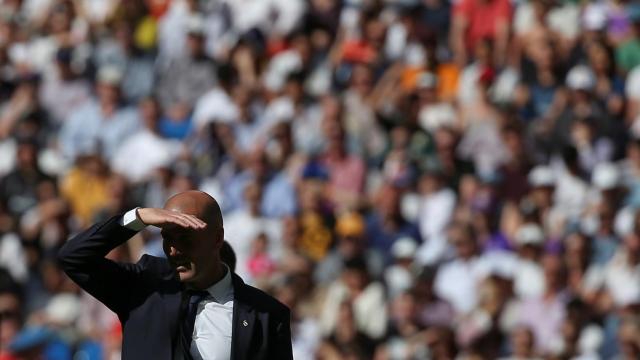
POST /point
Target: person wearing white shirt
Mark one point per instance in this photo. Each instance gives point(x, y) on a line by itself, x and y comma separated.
point(620, 277)
point(216, 105)
point(187, 306)
point(213, 323)
point(437, 203)
point(146, 148)
point(368, 301)
point(244, 225)
point(457, 281)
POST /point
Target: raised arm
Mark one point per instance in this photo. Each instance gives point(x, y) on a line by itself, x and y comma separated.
point(83, 257)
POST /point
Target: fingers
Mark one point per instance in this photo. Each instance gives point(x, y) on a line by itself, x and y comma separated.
point(193, 222)
point(186, 221)
point(167, 218)
point(176, 219)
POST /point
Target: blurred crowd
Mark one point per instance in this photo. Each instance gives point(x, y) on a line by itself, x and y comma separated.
point(415, 179)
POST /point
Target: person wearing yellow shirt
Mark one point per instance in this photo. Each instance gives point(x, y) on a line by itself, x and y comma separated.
point(85, 187)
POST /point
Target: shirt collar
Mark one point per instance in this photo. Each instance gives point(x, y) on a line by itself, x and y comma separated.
point(222, 291)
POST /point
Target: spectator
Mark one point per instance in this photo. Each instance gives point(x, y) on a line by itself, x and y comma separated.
point(244, 226)
point(350, 244)
point(102, 124)
point(217, 104)
point(528, 276)
point(403, 330)
point(435, 213)
point(550, 306)
point(261, 265)
point(346, 340)
point(386, 224)
point(19, 187)
point(279, 195)
point(457, 281)
point(64, 89)
point(610, 277)
point(522, 344)
point(517, 166)
point(628, 335)
point(136, 64)
point(469, 27)
point(366, 296)
point(182, 80)
point(147, 147)
point(346, 171)
point(399, 276)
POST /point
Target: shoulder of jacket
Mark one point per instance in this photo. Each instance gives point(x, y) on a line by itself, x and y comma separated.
point(259, 300)
point(156, 267)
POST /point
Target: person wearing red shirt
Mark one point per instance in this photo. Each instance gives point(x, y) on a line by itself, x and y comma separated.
point(474, 20)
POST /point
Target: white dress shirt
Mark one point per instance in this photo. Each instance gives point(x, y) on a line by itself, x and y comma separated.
point(211, 338)
point(214, 319)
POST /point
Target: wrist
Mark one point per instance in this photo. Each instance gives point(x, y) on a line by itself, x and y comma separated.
point(131, 220)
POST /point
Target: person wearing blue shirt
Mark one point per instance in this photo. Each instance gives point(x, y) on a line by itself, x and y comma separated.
point(386, 224)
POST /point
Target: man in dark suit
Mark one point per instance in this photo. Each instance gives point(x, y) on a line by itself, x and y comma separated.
point(188, 306)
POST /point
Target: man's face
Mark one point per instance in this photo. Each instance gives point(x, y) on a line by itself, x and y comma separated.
point(354, 279)
point(108, 93)
point(389, 201)
point(464, 245)
point(27, 155)
point(522, 341)
point(195, 44)
point(350, 245)
point(190, 252)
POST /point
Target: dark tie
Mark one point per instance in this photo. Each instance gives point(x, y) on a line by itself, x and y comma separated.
point(194, 297)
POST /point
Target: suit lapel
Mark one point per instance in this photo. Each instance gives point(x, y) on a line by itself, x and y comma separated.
point(174, 303)
point(243, 322)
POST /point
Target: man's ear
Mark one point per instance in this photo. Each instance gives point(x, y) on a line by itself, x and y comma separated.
point(220, 239)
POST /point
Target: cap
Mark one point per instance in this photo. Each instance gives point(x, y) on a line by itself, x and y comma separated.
point(195, 25)
point(404, 248)
point(110, 75)
point(350, 224)
point(540, 176)
point(580, 77)
point(529, 234)
point(605, 176)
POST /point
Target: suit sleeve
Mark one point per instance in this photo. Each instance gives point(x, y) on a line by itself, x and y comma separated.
point(283, 348)
point(83, 259)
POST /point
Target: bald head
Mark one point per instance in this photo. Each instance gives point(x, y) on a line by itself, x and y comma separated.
point(194, 252)
point(198, 204)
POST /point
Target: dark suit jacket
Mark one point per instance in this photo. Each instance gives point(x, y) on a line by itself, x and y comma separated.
point(147, 296)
